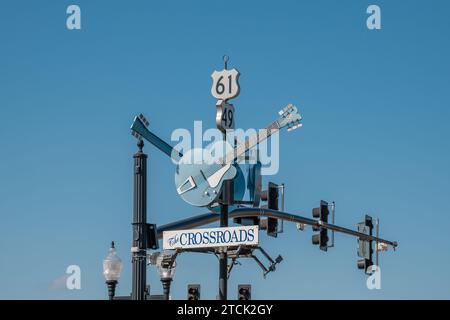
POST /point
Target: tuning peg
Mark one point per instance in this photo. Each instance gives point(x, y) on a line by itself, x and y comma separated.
point(293, 109)
point(295, 127)
point(144, 120)
point(284, 111)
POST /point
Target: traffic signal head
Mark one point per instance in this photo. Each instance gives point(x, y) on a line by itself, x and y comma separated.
point(272, 203)
point(152, 242)
point(321, 212)
point(271, 195)
point(363, 264)
point(365, 248)
point(247, 221)
point(244, 292)
point(321, 238)
point(193, 292)
point(272, 227)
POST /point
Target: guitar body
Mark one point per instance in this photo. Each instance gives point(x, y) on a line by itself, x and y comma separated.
point(199, 182)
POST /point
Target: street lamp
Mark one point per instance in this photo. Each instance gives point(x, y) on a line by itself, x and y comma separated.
point(112, 267)
point(166, 264)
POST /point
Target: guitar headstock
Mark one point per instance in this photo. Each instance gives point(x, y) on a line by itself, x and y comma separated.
point(289, 117)
point(139, 122)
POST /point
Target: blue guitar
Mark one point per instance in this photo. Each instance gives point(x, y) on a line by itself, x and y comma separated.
point(200, 173)
point(140, 130)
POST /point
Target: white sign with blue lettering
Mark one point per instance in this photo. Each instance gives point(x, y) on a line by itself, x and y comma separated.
point(210, 237)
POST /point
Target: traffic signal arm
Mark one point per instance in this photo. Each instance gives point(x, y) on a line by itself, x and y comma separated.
point(360, 235)
point(208, 218)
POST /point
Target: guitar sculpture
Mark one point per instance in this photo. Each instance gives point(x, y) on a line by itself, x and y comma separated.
point(139, 129)
point(199, 184)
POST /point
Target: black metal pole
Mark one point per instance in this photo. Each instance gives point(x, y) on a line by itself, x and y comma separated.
point(139, 250)
point(226, 199)
point(223, 257)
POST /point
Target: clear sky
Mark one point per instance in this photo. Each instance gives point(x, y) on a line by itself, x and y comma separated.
point(375, 136)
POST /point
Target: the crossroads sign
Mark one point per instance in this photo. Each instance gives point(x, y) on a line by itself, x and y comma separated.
point(211, 237)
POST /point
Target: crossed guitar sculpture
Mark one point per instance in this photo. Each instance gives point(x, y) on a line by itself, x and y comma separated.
point(201, 173)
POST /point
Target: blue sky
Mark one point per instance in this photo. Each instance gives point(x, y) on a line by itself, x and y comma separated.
point(375, 136)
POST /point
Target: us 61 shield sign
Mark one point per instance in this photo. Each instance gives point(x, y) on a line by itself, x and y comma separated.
point(211, 237)
point(225, 84)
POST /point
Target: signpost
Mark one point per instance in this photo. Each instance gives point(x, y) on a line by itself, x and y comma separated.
point(211, 238)
point(225, 86)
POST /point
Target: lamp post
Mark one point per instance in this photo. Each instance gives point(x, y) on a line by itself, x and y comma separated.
point(139, 247)
point(112, 267)
point(166, 265)
point(166, 287)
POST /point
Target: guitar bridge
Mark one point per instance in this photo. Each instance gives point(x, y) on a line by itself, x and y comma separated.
point(187, 185)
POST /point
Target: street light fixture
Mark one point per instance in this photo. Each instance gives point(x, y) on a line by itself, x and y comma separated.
point(166, 264)
point(112, 267)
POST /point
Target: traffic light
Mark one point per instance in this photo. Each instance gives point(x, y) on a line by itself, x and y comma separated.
point(321, 238)
point(193, 292)
point(271, 195)
point(244, 292)
point(247, 221)
point(365, 248)
point(152, 240)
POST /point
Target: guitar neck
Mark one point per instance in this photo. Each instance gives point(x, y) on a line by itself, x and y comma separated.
point(253, 141)
point(156, 141)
